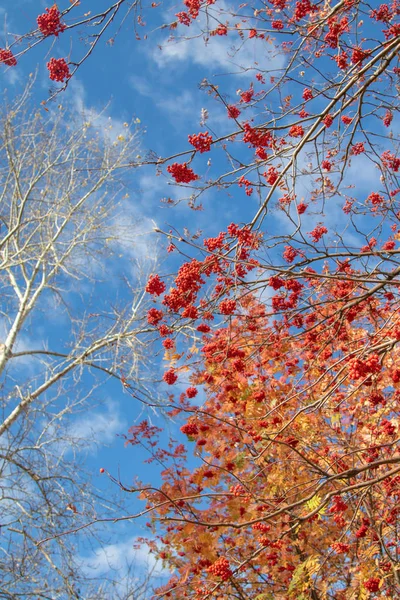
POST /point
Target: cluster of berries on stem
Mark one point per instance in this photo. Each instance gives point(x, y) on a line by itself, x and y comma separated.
point(49, 22)
point(58, 69)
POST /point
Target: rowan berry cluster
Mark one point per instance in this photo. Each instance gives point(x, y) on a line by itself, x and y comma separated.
point(307, 94)
point(303, 8)
point(388, 118)
point(317, 233)
point(357, 148)
point(338, 505)
point(358, 55)
point(220, 30)
point(155, 286)
point(233, 111)
point(170, 377)
point(190, 429)
point(227, 307)
point(326, 165)
point(390, 161)
point(221, 569)
point(372, 584)
point(383, 13)
point(191, 392)
point(376, 199)
point(296, 131)
point(271, 175)
point(389, 245)
point(256, 137)
point(202, 141)
point(193, 7)
point(49, 22)
point(242, 181)
point(168, 343)
point(182, 173)
point(58, 69)
point(154, 316)
point(7, 57)
point(346, 120)
point(362, 368)
point(335, 31)
point(217, 243)
point(340, 547)
point(341, 60)
point(183, 18)
point(328, 120)
point(247, 95)
point(290, 254)
point(188, 283)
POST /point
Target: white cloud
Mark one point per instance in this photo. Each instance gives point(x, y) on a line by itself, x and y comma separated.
point(123, 557)
point(103, 425)
point(243, 58)
point(230, 52)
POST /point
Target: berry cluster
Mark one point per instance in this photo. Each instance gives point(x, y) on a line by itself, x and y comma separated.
point(233, 111)
point(346, 120)
point(49, 22)
point(317, 233)
point(340, 547)
point(155, 286)
point(359, 368)
point(191, 392)
point(202, 141)
point(247, 95)
point(296, 131)
point(271, 175)
point(154, 316)
point(182, 173)
point(358, 55)
point(335, 31)
point(388, 118)
point(190, 429)
point(170, 377)
point(58, 69)
point(168, 343)
point(227, 307)
point(221, 569)
point(326, 165)
point(183, 18)
point(390, 161)
point(357, 148)
point(372, 584)
point(290, 254)
point(256, 137)
point(7, 57)
point(302, 9)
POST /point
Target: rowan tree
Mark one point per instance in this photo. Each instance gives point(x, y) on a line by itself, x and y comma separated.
point(294, 491)
point(294, 486)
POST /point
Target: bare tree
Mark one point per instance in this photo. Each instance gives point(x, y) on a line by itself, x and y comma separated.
point(68, 326)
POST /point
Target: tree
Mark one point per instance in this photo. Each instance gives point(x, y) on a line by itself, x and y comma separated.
point(294, 311)
point(65, 334)
point(294, 491)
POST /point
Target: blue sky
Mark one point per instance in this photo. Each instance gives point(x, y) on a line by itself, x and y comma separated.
point(152, 84)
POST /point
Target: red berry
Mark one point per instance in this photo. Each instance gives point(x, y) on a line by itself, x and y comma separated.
point(58, 69)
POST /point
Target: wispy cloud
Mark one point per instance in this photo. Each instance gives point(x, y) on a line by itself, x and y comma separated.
point(231, 52)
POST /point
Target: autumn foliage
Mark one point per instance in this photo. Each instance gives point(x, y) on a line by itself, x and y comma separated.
point(293, 489)
point(289, 334)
